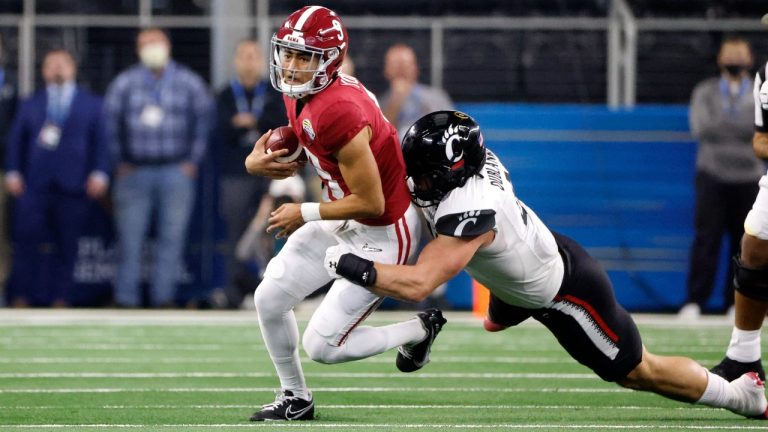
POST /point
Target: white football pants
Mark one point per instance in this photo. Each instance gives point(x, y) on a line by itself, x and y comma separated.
point(333, 334)
point(756, 223)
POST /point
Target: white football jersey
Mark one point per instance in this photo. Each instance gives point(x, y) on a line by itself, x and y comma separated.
point(522, 265)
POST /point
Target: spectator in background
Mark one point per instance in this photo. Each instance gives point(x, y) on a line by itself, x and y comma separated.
point(407, 100)
point(721, 117)
point(8, 100)
point(158, 113)
point(57, 160)
point(247, 107)
point(255, 245)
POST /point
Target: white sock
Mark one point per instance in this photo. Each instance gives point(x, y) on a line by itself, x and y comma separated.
point(744, 346)
point(716, 394)
point(723, 394)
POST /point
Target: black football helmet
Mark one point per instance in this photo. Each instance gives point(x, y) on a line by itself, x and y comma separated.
point(442, 150)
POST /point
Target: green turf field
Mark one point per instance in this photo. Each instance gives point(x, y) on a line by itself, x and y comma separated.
point(177, 371)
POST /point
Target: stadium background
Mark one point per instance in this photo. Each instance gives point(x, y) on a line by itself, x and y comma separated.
point(584, 100)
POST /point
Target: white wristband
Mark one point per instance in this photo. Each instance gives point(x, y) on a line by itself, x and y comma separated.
point(310, 211)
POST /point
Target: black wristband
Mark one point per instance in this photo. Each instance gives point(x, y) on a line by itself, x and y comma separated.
point(356, 269)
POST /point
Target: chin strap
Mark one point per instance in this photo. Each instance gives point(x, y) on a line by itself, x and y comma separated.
point(355, 269)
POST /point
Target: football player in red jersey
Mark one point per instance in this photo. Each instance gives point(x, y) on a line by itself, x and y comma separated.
point(366, 206)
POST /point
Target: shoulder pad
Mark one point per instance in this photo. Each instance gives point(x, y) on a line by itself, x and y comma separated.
point(467, 224)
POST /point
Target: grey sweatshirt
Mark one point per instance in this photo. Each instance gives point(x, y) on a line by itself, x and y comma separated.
point(723, 125)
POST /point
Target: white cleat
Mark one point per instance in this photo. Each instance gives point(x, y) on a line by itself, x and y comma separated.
point(749, 392)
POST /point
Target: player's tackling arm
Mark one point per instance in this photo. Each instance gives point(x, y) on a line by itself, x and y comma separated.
point(361, 174)
point(760, 144)
point(442, 259)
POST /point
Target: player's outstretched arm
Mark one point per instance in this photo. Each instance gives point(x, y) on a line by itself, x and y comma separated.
point(259, 162)
point(441, 259)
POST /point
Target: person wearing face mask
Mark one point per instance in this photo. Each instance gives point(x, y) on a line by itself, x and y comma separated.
point(721, 118)
point(246, 107)
point(157, 116)
point(57, 161)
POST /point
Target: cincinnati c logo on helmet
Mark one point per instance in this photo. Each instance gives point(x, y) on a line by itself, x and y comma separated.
point(450, 136)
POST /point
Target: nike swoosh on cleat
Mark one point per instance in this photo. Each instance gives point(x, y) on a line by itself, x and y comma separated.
point(291, 415)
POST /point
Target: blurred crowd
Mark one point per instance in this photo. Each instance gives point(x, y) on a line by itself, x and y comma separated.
point(136, 153)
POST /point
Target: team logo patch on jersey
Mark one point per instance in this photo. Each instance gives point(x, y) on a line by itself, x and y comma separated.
point(307, 126)
point(470, 223)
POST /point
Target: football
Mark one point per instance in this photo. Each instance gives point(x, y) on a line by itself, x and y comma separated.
point(284, 138)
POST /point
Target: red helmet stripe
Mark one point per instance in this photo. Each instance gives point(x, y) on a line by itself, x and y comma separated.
point(305, 16)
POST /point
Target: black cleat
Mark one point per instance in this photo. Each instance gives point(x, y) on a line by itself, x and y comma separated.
point(412, 357)
point(286, 407)
point(732, 369)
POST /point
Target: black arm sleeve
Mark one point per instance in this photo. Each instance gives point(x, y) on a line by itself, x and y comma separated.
point(467, 224)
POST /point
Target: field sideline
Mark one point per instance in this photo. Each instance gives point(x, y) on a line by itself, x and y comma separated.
point(105, 370)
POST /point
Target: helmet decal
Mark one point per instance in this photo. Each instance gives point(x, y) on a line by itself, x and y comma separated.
point(305, 17)
point(442, 150)
point(452, 134)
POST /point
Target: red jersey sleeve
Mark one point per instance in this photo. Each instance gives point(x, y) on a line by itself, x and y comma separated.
point(339, 123)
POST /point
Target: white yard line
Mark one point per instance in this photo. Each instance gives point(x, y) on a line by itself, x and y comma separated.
point(358, 426)
point(377, 407)
point(139, 317)
point(230, 360)
point(425, 375)
point(526, 389)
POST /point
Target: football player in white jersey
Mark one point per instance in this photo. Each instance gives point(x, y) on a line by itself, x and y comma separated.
point(750, 268)
point(478, 224)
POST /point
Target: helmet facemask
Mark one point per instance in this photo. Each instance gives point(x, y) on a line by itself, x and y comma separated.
point(322, 58)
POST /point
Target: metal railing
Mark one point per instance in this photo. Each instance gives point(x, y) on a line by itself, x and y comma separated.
point(621, 28)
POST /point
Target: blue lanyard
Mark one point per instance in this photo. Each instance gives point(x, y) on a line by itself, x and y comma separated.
point(729, 100)
point(156, 84)
point(241, 102)
point(57, 108)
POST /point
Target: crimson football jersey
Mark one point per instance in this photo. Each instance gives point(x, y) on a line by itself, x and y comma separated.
point(329, 120)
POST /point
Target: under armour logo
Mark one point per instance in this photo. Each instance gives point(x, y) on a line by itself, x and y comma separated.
point(332, 264)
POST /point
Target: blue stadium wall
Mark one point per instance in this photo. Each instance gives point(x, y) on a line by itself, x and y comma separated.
point(619, 182)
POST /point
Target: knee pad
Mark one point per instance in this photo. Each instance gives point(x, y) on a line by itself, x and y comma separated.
point(752, 283)
point(271, 299)
point(317, 347)
point(756, 224)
